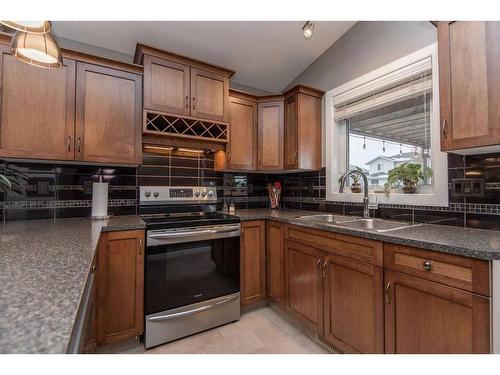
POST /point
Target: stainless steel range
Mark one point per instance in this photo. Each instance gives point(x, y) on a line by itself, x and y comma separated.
point(192, 262)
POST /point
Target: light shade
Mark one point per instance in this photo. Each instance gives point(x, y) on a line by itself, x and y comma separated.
point(33, 27)
point(36, 49)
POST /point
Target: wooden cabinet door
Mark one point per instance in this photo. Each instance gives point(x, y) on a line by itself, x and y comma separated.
point(469, 85)
point(303, 286)
point(209, 95)
point(108, 115)
point(270, 136)
point(252, 262)
point(120, 287)
point(275, 263)
point(353, 305)
point(309, 132)
point(37, 109)
point(424, 317)
point(166, 86)
point(241, 151)
point(291, 133)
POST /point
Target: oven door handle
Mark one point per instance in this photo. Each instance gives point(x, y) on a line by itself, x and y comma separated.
point(177, 234)
point(194, 233)
point(191, 312)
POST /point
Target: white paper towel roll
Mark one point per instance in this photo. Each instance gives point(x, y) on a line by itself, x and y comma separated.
point(99, 200)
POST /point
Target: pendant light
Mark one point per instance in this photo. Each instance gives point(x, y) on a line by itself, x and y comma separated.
point(32, 27)
point(36, 49)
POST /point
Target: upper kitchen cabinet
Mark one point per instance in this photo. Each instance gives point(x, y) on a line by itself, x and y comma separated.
point(108, 115)
point(469, 86)
point(37, 109)
point(170, 90)
point(89, 110)
point(241, 151)
point(178, 85)
point(302, 143)
point(270, 133)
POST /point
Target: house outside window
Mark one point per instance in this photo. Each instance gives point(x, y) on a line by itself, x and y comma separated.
point(382, 120)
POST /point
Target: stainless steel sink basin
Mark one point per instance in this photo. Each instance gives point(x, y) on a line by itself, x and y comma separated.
point(329, 218)
point(377, 225)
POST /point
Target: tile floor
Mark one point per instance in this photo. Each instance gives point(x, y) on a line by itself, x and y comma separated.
point(260, 331)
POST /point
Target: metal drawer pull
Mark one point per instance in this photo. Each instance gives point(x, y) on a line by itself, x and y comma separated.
point(427, 265)
point(191, 312)
point(325, 264)
point(386, 294)
point(69, 144)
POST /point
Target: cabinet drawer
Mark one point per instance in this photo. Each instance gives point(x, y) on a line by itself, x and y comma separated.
point(456, 271)
point(361, 249)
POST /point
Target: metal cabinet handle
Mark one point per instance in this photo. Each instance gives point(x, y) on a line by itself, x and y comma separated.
point(318, 265)
point(194, 105)
point(187, 101)
point(79, 144)
point(140, 246)
point(325, 274)
point(94, 267)
point(229, 156)
point(295, 156)
point(427, 265)
point(68, 142)
point(386, 294)
point(445, 128)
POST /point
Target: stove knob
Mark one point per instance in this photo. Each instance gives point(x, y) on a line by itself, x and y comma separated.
point(210, 193)
point(203, 194)
point(155, 194)
point(197, 193)
point(147, 193)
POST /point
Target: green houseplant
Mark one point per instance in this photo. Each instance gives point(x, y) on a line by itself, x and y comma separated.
point(408, 175)
point(12, 181)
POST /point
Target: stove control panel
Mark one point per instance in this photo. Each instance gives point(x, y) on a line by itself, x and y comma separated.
point(177, 194)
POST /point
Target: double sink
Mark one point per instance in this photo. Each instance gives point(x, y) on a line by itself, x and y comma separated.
point(376, 225)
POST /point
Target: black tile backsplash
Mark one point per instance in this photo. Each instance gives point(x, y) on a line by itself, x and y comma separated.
point(59, 191)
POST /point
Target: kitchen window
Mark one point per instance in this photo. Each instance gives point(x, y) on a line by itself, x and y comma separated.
point(384, 119)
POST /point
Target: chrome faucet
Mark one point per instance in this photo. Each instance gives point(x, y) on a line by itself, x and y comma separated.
point(366, 203)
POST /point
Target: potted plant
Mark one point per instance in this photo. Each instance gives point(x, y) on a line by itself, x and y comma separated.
point(355, 185)
point(408, 175)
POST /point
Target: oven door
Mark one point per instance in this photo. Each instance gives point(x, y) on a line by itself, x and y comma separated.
point(180, 273)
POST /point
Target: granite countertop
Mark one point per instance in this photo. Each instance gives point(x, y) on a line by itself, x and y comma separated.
point(474, 243)
point(44, 265)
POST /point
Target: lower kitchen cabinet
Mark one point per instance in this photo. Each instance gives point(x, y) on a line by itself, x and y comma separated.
point(353, 305)
point(120, 286)
point(422, 316)
point(253, 262)
point(274, 256)
point(303, 285)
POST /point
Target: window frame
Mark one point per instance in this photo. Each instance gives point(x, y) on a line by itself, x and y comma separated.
point(336, 137)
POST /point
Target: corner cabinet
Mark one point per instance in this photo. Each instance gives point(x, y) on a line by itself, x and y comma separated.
point(302, 128)
point(469, 86)
point(120, 286)
point(253, 262)
point(270, 134)
point(108, 112)
point(82, 111)
point(37, 109)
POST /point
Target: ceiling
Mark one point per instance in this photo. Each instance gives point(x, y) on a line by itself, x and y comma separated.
point(266, 55)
